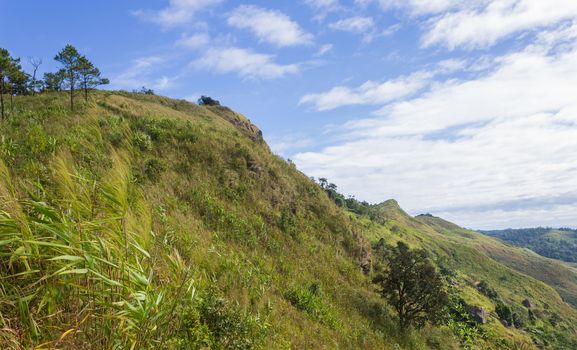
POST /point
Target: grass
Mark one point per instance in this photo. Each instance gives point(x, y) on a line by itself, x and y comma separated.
point(144, 222)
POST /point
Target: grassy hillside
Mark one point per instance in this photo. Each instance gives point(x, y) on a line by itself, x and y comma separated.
point(553, 243)
point(140, 222)
point(513, 274)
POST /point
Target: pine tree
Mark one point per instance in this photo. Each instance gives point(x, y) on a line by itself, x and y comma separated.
point(89, 76)
point(69, 58)
point(54, 81)
point(11, 75)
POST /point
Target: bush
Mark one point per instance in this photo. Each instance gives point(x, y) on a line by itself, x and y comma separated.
point(310, 300)
point(487, 290)
point(208, 101)
point(228, 327)
point(142, 141)
point(153, 168)
point(508, 314)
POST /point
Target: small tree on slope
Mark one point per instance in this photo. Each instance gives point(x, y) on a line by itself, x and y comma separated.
point(89, 76)
point(69, 58)
point(411, 284)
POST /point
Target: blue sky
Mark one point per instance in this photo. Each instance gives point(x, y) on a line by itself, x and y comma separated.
point(463, 108)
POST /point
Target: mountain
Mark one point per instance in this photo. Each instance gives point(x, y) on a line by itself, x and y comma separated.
point(553, 243)
point(138, 221)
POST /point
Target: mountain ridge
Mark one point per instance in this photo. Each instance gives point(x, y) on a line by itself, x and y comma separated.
point(274, 261)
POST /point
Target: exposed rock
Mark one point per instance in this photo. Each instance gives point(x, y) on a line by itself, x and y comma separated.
point(365, 261)
point(539, 344)
point(528, 304)
point(240, 122)
point(253, 165)
point(478, 314)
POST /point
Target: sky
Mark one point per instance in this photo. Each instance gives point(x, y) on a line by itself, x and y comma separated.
point(465, 109)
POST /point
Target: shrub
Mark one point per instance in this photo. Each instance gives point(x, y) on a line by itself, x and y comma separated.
point(487, 290)
point(310, 300)
point(208, 101)
point(227, 327)
point(153, 168)
point(508, 314)
point(142, 141)
point(288, 222)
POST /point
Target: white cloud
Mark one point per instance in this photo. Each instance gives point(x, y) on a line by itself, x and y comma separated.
point(484, 26)
point(244, 62)
point(494, 150)
point(140, 74)
point(421, 7)
point(323, 4)
point(194, 41)
point(369, 93)
point(355, 24)
point(270, 26)
point(323, 8)
point(282, 144)
point(473, 24)
point(324, 49)
point(391, 29)
point(178, 12)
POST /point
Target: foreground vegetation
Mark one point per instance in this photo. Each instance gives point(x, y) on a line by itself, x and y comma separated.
point(137, 221)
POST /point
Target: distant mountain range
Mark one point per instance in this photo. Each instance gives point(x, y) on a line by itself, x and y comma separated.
point(555, 243)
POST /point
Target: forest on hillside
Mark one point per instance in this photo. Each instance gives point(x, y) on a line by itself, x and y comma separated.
point(560, 244)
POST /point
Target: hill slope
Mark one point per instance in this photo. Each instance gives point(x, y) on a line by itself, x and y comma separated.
point(140, 221)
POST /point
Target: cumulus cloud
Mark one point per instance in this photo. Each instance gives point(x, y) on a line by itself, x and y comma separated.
point(484, 26)
point(493, 150)
point(269, 26)
point(473, 24)
point(357, 24)
point(323, 4)
point(178, 12)
point(141, 73)
point(194, 41)
point(421, 7)
point(369, 93)
point(244, 62)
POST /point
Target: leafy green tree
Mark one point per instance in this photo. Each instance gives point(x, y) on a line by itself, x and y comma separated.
point(208, 101)
point(144, 90)
point(89, 76)
point(9, 74)
point(18, 82)
point(69, 58)
point(411, 284)
point(54, 81)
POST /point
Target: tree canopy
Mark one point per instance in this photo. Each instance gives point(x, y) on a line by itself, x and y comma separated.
point(411, 284)
point(12, 78)
point(89, 76)
point(208, 101)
